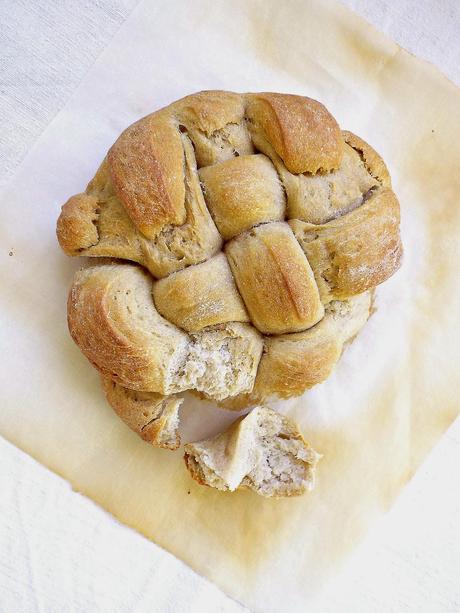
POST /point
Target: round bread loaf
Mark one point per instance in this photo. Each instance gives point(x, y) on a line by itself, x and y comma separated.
point(255, 231)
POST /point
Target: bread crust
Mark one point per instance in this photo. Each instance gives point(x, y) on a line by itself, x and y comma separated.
point(243, 192)
point(356, 252)
point(274, 279)
point(113, 320)
point(154, 417)
point(215, 123)
point(325, 196)
point(76, 228)
point(147, 169)
point(299, 129)
point(372, 160)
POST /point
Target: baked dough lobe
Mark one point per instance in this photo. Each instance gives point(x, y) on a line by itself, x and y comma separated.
point(243, 192)
point(113, 320)
point(154, 417)
point(356, 252)
point(274, 279)
point(300, 130)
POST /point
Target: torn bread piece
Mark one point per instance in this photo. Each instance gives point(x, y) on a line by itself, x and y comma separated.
point(155, 418)
point(221, 362)
point(262, 451)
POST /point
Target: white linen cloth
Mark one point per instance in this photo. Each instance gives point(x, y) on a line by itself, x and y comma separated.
point(58, 551)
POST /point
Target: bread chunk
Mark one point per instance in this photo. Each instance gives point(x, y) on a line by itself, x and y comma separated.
point(356, 252)
point(243, 192)
point(263, 451)
point(155, 418)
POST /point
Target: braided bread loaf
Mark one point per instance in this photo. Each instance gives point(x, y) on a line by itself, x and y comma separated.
point(260, 230)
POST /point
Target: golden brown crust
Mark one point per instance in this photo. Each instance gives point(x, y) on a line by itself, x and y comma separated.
point(301, 131)
point(117, 235)
point(356, 252)
point(147, 169)
point(113, 320)
point(325, 196)
point(200, 296)
point(243, 192)
point(293, 363)
point(274, 279)
point(152, 416)
point(76, 227)
point(198, 239)
point(210, 110)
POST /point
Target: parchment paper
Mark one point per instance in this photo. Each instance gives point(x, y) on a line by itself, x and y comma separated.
point(395, 390)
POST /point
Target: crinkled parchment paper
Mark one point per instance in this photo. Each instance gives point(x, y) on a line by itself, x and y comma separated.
point(397, 387)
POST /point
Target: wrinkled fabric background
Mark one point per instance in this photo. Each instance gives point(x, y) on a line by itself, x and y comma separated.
point(374, 420)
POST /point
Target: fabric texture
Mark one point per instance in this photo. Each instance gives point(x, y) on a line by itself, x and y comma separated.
point(46, 49)
point(61, 552)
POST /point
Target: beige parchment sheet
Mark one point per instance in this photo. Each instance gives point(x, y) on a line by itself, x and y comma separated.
point(397, 387)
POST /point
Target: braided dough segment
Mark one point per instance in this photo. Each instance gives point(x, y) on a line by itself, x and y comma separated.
point(97, 224)
point(293, 363)
point(262, 451)
point(113, 320)
point(356, 252)
point(274, 279)
point(300, 130)
point(243, 192)
point(154, 417)
point(215, 123)
point(76, 227)
point(198, 239)
point(147, 168)
point(200, 296)
point(322, 197)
